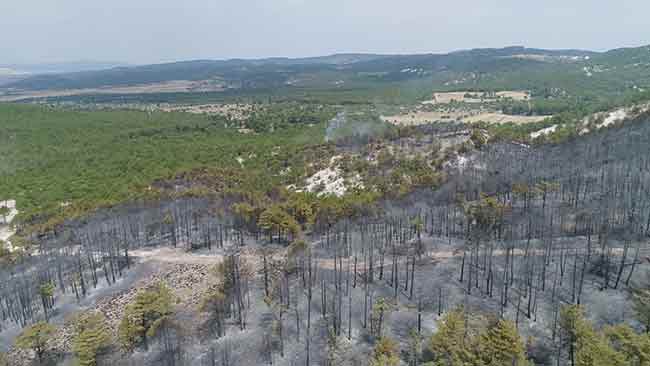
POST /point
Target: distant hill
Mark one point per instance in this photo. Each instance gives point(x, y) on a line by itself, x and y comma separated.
point(240, 70)
point(12, 73)
point(336, 59)
point(548, 73)
point(61, 67)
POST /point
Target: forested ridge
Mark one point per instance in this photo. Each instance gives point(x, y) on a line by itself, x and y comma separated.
point(560, 78)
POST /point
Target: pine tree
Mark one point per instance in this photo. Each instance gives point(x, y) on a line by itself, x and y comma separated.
point(333, 348)
point(379, 312)
point(634, 347)
point(502, 345)
point(46, 290)
point(453, 344)
point(570, 317)
point(641, 302)
point(276, 220)
point(386, 353)
point(586, 346)
point(142, 318)
point(300, 208)
point(231, 270)
point(214, 303)
point(415, 347)
point(90, 338)
point(36, 338)
point(594, 350)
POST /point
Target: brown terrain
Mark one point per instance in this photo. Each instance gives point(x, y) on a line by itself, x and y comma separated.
point(176, 86)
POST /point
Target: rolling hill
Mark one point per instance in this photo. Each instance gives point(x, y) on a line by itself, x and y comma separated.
point(279, 71)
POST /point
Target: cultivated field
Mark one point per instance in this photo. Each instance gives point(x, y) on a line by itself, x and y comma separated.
point(476, 97)
point(424, 117)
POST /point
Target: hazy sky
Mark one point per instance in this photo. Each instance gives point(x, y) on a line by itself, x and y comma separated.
point(147, 31)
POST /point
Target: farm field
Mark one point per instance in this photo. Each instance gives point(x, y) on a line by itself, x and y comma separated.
point(477, 97)
point(424, 117)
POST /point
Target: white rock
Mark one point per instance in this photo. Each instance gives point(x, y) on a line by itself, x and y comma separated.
point(543, 132)
point(6, 229)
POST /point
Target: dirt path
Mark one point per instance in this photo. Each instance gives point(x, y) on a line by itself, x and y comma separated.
point(180, 256)
point(448, 254)
point(175, 255)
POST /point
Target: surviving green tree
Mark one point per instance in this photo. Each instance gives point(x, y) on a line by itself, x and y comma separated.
point(142, 319)
point(36, 338)
point(90, 337)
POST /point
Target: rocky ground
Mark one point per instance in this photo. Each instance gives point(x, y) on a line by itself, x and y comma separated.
point(188, 281)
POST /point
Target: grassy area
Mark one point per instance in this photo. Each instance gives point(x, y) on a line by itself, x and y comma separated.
point(50, 157)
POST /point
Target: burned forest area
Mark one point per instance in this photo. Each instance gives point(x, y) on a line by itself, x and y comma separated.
point(486, 207)
point(521, 255)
